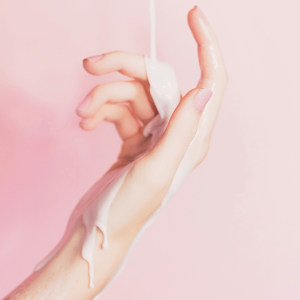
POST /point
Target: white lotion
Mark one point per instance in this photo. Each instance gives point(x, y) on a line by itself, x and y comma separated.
point(94, 206)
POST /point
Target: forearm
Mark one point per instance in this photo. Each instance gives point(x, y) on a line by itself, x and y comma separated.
point(66, 275)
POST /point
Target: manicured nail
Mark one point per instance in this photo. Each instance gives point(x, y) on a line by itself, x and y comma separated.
point(201, 99)
point(84, 121)
point(84, 104)
point(200, 12)
point(94, 58)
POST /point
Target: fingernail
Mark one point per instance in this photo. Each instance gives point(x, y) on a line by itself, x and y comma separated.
point(84, 104)
point(84, 121)
point(95, 58)
point(201, 99)
point(200, 12)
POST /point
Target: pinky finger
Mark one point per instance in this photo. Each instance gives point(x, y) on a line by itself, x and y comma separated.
point(121, 115)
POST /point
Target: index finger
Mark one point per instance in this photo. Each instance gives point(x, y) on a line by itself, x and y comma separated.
point(128, 64)
point(209, 53)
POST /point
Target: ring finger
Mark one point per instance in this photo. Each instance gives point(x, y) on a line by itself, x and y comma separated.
point(121, 115)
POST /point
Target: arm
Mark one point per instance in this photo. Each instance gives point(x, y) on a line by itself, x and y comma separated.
point(151, 176)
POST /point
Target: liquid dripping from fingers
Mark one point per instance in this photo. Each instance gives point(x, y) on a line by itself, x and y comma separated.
point(152, 30)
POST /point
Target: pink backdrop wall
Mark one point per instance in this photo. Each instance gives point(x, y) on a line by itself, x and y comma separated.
point(240, 237)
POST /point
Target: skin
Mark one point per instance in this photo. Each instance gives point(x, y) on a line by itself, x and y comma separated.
point(66, 275)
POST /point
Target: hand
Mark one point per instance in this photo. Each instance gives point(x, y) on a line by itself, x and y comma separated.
point(151, 176)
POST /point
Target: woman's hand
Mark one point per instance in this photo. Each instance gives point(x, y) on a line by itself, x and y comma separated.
point(151, 176)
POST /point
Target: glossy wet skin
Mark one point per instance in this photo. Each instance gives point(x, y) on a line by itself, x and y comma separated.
point(150, 178)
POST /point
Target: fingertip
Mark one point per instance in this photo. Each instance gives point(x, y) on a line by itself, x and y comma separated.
point(94, 58)
point(84, 114)
point(200, 12)
point(194, 15)
point(85, 120)
point(83, 105)
point(79, 113)
point(193, 12)
point(89, 67)
point(84, 62)
point(90, 64)
point(190, 13)
point(85, 124)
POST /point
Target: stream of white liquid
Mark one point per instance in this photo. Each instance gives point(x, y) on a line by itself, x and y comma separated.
point(94, 206)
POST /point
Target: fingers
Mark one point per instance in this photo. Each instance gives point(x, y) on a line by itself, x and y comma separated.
point(209, 53)
point(192, 119)
point(131, 65)
point(133, 92)
point(126, 124)
point(213, 77)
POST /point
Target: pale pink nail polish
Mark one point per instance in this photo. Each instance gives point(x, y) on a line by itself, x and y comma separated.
point(200, 12)
point(201, 99)
point(95, 58)
point(84, 104)
point(86, 120)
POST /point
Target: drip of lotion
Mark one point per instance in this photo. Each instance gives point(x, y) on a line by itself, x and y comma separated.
point(95, 204)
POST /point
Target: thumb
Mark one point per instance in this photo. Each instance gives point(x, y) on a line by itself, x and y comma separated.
point(162, 162)
point(168, 152)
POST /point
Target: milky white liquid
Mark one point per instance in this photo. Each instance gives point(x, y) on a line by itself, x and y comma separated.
point(94, 206)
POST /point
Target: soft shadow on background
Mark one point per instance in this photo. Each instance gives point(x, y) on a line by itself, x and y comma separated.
point(238, 236)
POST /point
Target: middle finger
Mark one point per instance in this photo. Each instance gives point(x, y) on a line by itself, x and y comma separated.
point(133, 92)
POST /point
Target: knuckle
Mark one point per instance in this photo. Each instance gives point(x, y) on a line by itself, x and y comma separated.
point(116, 53)
point(87, 127)
point(123, 110)
point(209, 78)
point(97, 89)
point(224, 76)
point(117, 57)
point(203, 152)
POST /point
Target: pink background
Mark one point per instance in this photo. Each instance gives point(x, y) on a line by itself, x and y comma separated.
point(239, 232)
